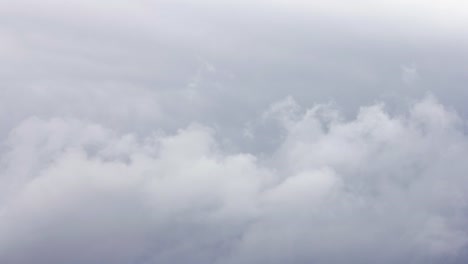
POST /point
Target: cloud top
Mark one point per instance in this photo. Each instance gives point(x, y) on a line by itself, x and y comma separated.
point(377, 188)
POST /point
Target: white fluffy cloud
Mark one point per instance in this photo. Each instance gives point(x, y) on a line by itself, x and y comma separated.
point(378, 188)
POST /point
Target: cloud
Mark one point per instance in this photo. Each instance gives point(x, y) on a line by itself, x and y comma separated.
point(409, 74)
point(334, 190)
point(143, 131)
point(150, 53)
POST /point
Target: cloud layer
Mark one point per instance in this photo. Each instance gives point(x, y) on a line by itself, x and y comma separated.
point(378, 188)
point(146, 131)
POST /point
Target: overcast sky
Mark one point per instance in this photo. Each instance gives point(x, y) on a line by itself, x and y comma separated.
point(232, 132)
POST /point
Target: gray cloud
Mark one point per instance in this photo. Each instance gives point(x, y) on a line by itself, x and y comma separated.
point(144, 131)
point(315, 51)
point(333, 191)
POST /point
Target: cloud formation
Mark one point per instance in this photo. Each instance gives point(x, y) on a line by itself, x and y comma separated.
point(143, 131)
point(378, 188)
point(59, 57)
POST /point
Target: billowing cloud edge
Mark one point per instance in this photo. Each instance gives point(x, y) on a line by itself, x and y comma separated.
point(333, 190)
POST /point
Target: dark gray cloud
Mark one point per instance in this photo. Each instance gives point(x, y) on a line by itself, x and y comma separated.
point(234, 132)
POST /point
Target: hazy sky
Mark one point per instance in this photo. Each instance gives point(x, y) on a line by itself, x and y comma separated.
point(232, 132)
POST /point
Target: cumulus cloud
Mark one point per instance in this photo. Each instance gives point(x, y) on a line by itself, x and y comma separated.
point(144, 131)
point(376, 188)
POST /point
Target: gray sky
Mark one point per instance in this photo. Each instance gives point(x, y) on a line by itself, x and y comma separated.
point(227, 132)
